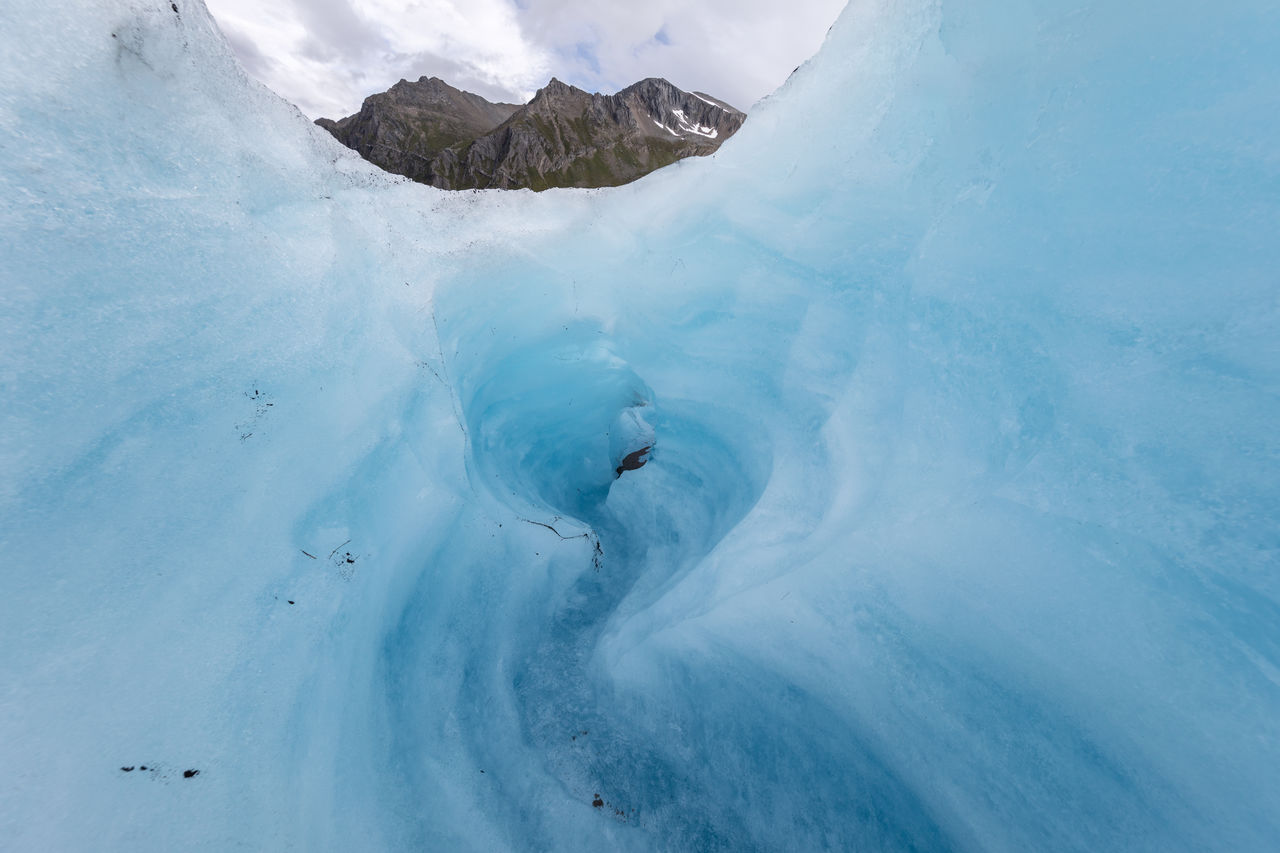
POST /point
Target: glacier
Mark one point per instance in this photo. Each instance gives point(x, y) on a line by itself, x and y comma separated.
point(960, 365)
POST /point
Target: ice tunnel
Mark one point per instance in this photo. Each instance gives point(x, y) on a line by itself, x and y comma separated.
point(958, 367)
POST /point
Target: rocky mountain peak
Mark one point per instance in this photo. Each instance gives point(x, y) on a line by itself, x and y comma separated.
point(556, 89)
point(564, 137)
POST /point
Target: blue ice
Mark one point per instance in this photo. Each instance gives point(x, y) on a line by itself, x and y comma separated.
point(959, 367)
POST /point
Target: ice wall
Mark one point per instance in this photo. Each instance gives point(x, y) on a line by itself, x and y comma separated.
point(960, 365)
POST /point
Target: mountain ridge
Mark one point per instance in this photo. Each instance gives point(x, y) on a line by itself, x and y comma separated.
point(434, 133)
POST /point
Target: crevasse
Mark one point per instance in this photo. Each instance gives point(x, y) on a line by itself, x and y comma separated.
point(959, 362)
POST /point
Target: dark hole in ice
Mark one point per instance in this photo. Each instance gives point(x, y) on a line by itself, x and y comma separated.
point(633, 460)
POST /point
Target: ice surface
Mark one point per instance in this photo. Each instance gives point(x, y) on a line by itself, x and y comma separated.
point(962, 362)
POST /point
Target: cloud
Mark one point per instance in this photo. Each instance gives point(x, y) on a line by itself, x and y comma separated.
point(738, 50)
point(326, 56)
point(254, 61)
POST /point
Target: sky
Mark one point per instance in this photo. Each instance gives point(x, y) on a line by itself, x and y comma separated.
point(326, 56)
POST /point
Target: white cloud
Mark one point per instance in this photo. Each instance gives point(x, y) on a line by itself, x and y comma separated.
point(327, 55)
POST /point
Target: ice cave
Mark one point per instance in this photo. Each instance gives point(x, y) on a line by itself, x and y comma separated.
point(958, 371)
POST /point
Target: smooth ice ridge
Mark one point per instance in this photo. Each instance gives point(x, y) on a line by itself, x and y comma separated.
point(959, 365)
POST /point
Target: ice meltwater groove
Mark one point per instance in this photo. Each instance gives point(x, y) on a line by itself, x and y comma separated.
point(959, 366)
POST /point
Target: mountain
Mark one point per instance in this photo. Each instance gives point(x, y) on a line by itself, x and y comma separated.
point(564, 137)
point(403, 128)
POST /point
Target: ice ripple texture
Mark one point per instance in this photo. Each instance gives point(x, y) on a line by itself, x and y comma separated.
point(959, 364)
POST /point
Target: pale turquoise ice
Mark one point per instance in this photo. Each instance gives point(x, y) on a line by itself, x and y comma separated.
point(961, 529)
